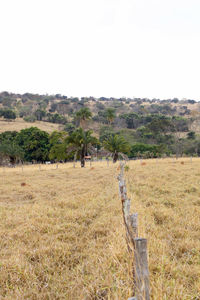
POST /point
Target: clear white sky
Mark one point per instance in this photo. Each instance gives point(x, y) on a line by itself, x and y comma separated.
point(141, 48)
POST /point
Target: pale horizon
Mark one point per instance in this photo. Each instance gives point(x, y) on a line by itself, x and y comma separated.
point(101, 48)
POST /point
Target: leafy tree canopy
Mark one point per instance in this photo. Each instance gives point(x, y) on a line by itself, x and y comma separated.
point(35, 144)
point(8, 114)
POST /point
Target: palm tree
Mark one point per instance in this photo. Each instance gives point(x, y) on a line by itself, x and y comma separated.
point(110, 115)
point(83, 115)
point(81, 143)
point(117, 146)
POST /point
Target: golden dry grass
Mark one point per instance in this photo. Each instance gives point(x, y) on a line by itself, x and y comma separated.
point(62, 233)
point(20, 124)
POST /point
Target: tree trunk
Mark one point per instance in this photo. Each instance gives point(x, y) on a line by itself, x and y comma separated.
point(115, 157)
point(83, 157)
point(12, 160)
point(82, 162)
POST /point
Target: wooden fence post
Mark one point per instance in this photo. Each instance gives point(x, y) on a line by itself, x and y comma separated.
point(134, 224)
point(107, 162)
point(141, 269)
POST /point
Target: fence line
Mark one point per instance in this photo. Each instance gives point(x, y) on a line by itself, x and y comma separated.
point(136, 246)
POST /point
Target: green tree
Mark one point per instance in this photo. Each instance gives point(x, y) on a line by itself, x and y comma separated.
point(69, 127)
point(56, 118)
point(81, 143)
point(58, 152)
point(11, 151)
point(57, 141)
point(110, 115)
point(105, 132)
point(8, 114)
point(146, 150)
point(8, 136)
point(116, 145)
point(40, 114)
point(57, 137)
point(83, 115)
point(160, 126)
point(191, 135)
point(35, 144)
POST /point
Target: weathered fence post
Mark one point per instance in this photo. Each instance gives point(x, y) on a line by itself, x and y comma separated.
point(134, 224)
point(141, 269)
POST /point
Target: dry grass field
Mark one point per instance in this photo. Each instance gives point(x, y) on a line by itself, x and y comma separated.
point(20, 124)
point(62, 233)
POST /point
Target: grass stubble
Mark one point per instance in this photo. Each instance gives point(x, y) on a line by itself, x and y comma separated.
point(62, 234)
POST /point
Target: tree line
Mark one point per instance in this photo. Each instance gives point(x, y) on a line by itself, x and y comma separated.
point(153, 136)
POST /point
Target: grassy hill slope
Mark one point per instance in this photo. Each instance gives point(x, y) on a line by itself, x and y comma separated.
point(19, 124)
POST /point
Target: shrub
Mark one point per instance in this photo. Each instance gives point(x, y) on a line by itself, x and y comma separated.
point(31, 119)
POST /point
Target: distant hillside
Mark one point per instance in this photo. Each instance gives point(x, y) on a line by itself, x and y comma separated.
point(29, 109)
point(28, 104)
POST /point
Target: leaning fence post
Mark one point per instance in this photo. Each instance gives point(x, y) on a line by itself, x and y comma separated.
point(141, 269)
